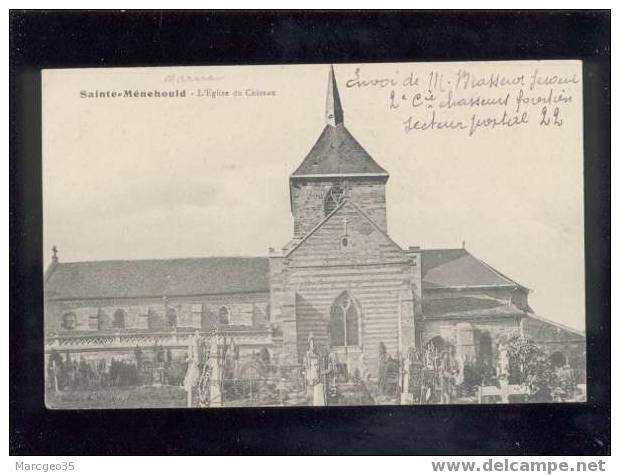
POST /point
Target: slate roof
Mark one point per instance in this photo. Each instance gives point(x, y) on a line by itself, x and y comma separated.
point(161, 277)
point(441, 268)
point(499, 311)
point(459, 303)
point(336, 152)
point(534, 318)
point(458, 268)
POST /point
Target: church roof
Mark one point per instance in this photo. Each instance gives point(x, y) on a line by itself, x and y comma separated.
point(450, 268)
point(455, 312)
point(161, 277)
point(336, 152)
point(441, 268)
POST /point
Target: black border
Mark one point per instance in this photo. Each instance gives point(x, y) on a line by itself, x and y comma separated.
point(40, 39)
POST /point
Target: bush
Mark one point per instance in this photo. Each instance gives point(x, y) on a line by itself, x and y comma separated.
point(529, 365)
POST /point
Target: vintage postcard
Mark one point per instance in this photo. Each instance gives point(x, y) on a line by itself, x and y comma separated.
point(314, 235)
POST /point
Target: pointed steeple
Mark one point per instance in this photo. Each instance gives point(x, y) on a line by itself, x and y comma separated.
point(333, 111)
point(336, 152)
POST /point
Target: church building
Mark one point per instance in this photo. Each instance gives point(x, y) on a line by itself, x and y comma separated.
point(340, 280)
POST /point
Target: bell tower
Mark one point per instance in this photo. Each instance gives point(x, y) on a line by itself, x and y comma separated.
point(337, 168)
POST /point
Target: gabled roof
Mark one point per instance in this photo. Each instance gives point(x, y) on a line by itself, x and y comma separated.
point(566, 328)
point(453, 268)
point(336, 152)
point(494, 312)
point(459, 303)
point(155, 278)
point(441, 268)
point(344, 203)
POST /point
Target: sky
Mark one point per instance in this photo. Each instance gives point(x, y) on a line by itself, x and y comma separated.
point(138, 178)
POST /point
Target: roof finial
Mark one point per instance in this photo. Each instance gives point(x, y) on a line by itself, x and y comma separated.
point(54, 254)
point(463, 244)
point(333, 112)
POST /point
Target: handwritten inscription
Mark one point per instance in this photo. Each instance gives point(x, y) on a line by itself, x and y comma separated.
point(181, 78)
point(469, 102)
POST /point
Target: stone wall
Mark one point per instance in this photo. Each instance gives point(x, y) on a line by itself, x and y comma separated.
point(369, 267)
point(308, 198)
point(282, 305)
point(555, 338)
point(466, 334)
point(145, 313)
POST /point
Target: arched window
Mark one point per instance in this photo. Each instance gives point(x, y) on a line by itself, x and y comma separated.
point(155, 321)
point(223, 316)
point(171, 317)
point(333, 198)
point(69, 321)
point(344, 322)
point(437, 342)
point(118, 321)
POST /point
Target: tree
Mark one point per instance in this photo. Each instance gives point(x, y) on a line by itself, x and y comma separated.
point(530, 366)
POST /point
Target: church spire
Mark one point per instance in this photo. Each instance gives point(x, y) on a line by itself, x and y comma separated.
point(333, 111)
